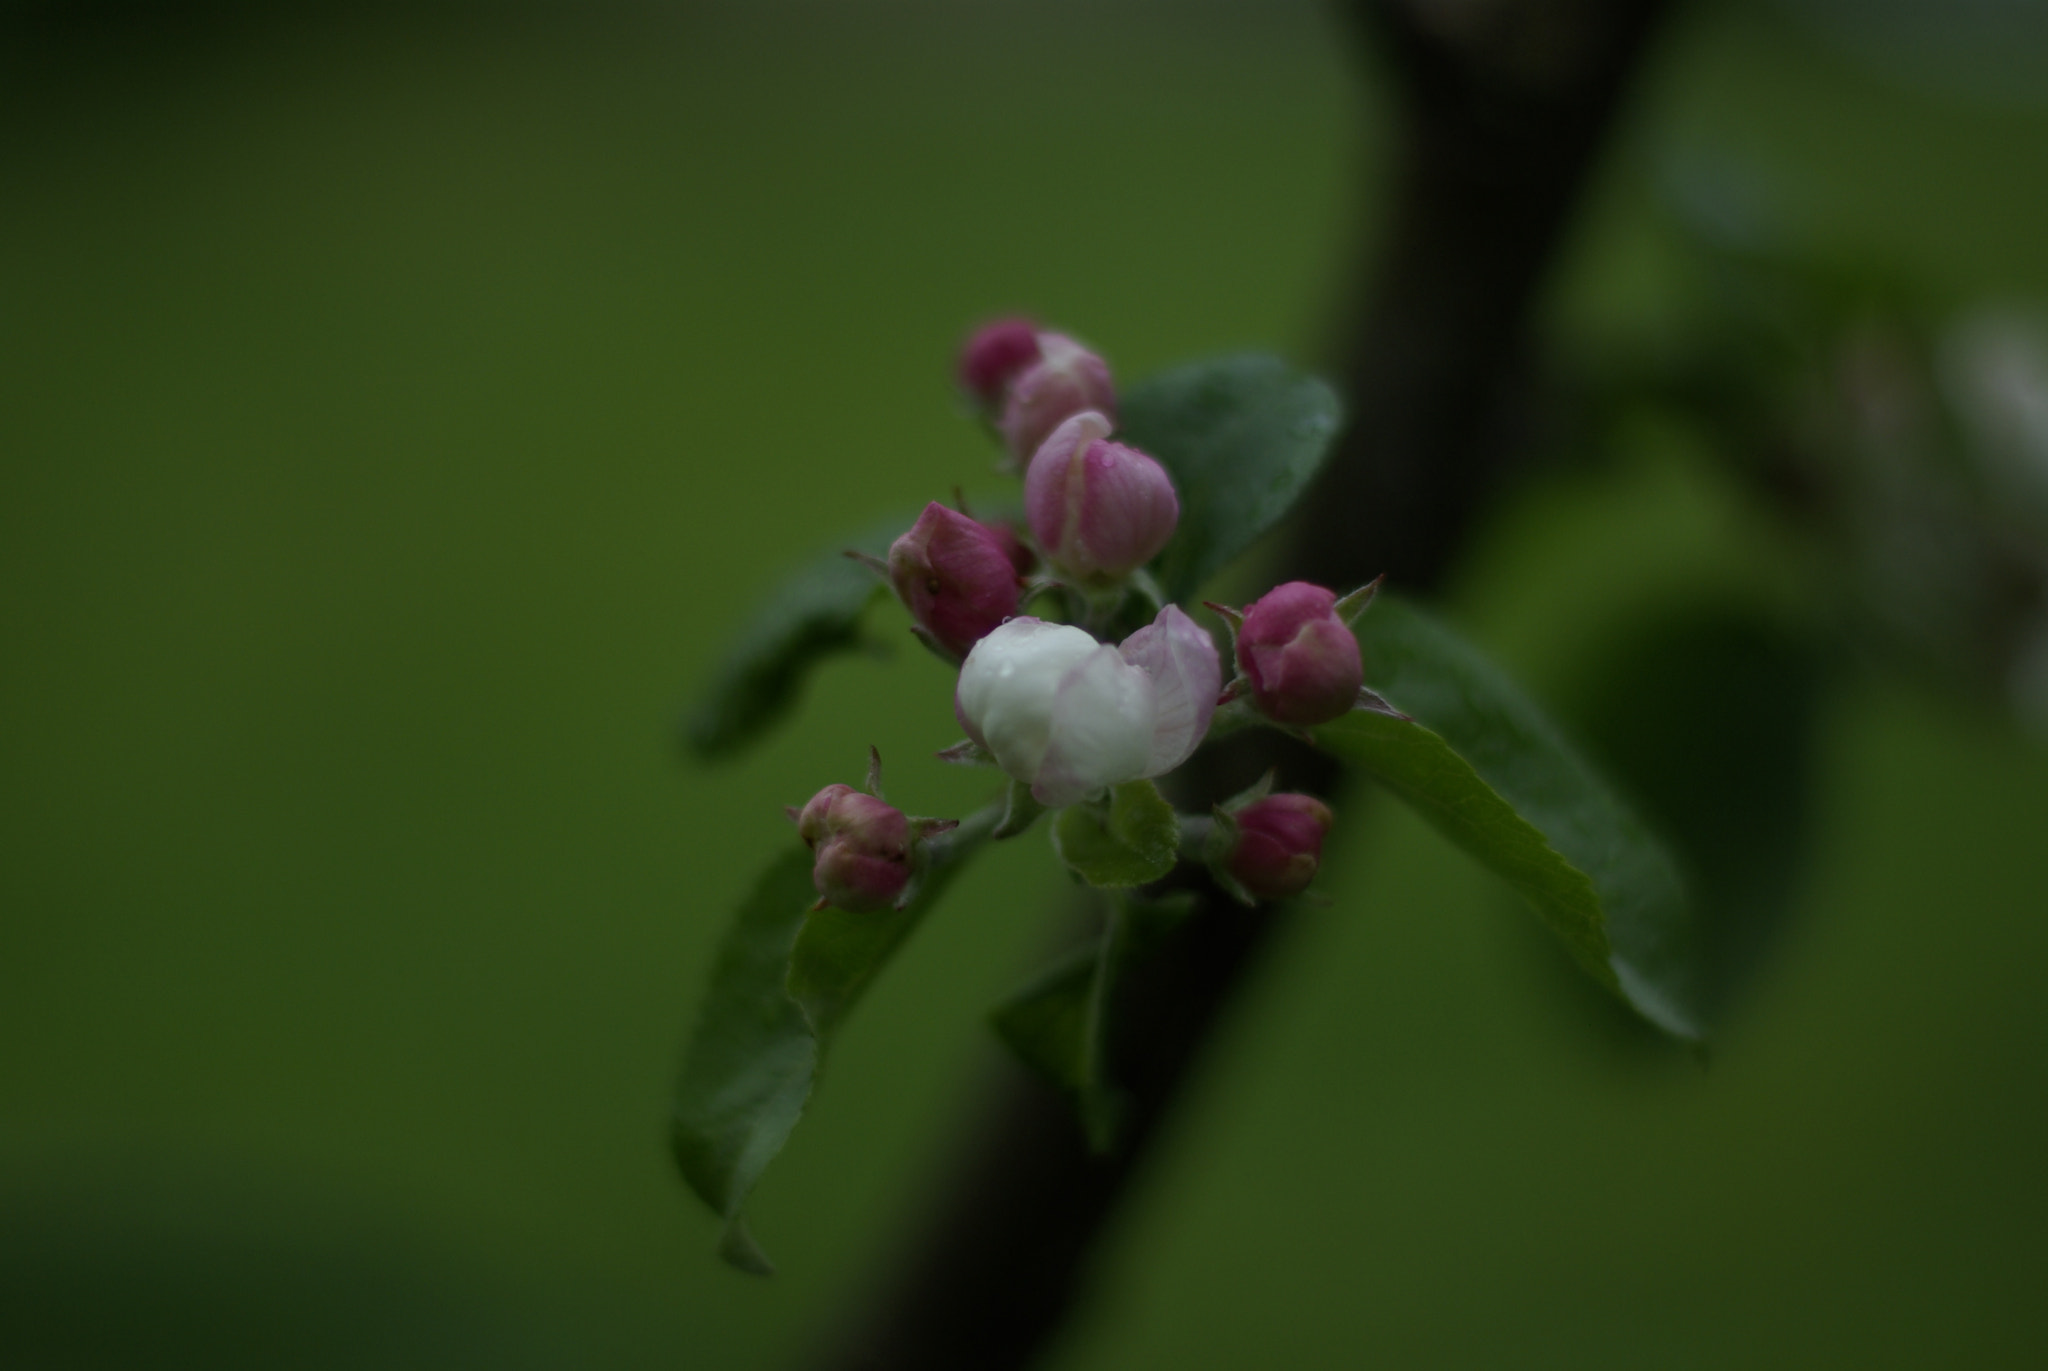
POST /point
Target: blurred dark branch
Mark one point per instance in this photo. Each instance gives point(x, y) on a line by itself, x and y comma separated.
point(1504, 106)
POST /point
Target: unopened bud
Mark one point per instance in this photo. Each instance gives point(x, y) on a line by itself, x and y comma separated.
point(1016, 549)
point(863, 848)
point(993, 356)
point(1299, 656)
point(1279, 844)
point(813, 819)
point(1066, 380)
point(957, 577)
point(1100, 510)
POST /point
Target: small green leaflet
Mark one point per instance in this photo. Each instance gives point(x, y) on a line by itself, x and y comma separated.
point(1059, 1024)
point(782, 984)
point(1484, 766)
point(1242, 438)
point(1132, 839)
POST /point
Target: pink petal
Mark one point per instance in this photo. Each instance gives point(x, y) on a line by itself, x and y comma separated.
point(1102, 727)
point(1187, 675)
point(1054, 482)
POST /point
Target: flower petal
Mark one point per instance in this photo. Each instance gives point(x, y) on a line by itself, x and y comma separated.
point(1179, 657)
point(1056, 479)
point(1008, 686)
point(1102, 725)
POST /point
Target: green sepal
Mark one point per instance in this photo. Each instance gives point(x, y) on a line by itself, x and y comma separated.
point(1253, 793)
point(1221, 841)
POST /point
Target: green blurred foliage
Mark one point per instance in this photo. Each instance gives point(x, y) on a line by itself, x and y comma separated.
point(396, 415)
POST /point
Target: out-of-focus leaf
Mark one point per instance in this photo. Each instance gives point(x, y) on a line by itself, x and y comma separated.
point(814, 613)
point(1704, 712)
point(1242, 438)
point(1060, 1023)
point(1049, 1022)
point(1133, 839)
point(748, 1069)
point(1483, 764)
point(782, 984)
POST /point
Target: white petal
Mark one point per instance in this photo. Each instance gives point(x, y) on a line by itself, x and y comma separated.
point(1102, 726)
point(1008, 686)
point(1180, 658)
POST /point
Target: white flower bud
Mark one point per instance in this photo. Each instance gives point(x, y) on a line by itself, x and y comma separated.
point(1069, 716)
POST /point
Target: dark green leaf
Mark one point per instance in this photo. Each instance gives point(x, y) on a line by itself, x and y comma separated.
point(1242, 438)
point(1060, 1023)
point(1047, 1022)
point(748, 1069)
point(814, 613)
point(1481, 762)
point(783, 982)
point(1132, 839)
point(1704, 710)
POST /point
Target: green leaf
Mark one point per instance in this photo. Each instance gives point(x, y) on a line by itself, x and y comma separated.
point(1735, 799)
point(1059, 1024)
point(748, 1069)
point(1242, 437)
point(782, 984)
point(812, 614)
point(1047, 1022)
point(1482, 764)
point(1132, 839)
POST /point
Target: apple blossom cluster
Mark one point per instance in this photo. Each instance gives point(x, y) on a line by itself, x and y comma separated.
point(1065, 704)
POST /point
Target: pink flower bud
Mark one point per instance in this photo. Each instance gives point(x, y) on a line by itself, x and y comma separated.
point(994, 355)
point(1099, 510)
point(1065, 380)
point(1300, 657)
point(862, 845)
point(958, 578)
point(1016, 549)
point(1279, 844)
point(812, 822)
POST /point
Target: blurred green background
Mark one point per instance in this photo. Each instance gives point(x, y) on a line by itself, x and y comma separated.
point(396, 413)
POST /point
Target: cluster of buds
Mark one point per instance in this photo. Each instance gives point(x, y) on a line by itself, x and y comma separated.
point(1097, 510)
point(1067, 714)
point(868, 851)
point(1028, 382)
